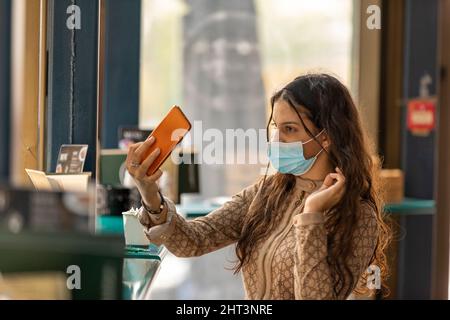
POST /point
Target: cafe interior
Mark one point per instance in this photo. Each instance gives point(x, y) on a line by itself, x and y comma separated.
point(82, 80)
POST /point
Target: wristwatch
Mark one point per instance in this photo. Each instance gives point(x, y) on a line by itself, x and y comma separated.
point(159, 210)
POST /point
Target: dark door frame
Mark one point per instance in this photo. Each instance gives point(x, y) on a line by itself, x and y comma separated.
point(440, 280)
point(5, 87)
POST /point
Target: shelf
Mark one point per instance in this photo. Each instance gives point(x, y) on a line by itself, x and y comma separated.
point(411, 206)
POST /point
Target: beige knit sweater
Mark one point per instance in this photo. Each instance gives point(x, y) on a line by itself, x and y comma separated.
point(291, 263)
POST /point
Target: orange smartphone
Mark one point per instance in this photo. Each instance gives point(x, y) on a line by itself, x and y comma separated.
point(169, 132)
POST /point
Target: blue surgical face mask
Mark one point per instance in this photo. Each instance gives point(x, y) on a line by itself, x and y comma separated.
point(289, 157)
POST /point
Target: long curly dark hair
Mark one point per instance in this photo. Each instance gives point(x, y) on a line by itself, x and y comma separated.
point(331, 108)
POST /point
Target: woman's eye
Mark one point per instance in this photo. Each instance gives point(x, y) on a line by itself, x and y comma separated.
point(289, 129)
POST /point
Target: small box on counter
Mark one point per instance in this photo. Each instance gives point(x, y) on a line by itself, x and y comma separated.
point(392, 182)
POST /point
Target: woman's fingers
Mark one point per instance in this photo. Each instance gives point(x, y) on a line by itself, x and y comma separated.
point(138, 150)
point(141, 151)
point(143, 168)
point(132, 149)
point(334, 181)
point(135, 154)
point(143, 148)
point(131, 158)
point(339, 186)
point(331, 191)
point(340, 177)
point(329, 180)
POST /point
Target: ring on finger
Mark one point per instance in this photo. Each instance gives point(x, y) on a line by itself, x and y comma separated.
point(134, 164)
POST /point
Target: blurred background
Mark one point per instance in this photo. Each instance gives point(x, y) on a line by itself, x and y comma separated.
point(80, 80)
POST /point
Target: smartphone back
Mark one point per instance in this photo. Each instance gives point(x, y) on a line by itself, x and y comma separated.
point(170, 131)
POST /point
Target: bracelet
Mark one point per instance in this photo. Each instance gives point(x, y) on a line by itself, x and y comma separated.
point(161, 206)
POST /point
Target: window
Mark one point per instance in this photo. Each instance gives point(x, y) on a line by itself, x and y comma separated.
point(221, 61)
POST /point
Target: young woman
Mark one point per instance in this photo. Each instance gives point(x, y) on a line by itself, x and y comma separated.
point(309, 231)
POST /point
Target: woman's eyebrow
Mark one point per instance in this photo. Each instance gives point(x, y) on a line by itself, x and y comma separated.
point(290, 122)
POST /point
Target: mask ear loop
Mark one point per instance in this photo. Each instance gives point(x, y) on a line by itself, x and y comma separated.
point(318, 135)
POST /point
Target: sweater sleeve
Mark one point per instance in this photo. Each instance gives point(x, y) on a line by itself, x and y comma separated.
point(190, 238)
point(313, 277)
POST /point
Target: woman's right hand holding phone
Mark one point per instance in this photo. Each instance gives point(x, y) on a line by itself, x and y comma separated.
point(137, 166)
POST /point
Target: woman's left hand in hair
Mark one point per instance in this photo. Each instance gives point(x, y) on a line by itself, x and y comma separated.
point(328, 195)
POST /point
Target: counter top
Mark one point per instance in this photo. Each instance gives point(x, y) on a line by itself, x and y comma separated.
point(406, 207)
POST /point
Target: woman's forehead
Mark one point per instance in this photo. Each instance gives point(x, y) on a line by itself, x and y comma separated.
point(283, 112)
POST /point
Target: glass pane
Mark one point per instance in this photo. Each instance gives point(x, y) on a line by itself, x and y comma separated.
point(302, 36)
point(221, 61)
